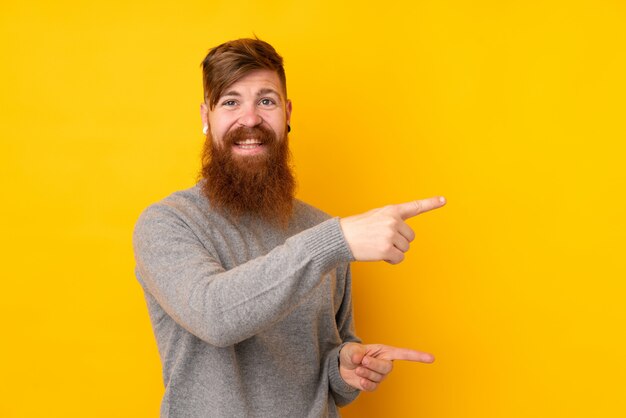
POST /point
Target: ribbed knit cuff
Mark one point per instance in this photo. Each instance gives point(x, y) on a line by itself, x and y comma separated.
point(327, 245)
point(342, 392)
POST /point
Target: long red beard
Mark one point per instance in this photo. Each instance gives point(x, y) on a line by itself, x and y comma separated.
point(259, 185)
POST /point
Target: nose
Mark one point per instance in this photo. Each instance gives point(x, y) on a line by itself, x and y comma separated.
point(250, 117)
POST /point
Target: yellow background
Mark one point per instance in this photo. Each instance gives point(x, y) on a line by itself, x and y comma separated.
point(514, 110)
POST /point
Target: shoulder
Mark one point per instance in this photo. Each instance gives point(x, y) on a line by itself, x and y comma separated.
point(191, 198)
point(303, 209)
point(182, 206)
point(306, 216)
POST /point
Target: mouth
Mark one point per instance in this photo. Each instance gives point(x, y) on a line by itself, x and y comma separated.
point(249, 147)
point(248, 144)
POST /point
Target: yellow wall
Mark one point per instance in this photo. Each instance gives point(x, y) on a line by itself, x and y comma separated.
point(513, 110)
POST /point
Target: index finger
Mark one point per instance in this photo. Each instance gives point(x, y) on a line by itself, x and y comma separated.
point(409, 209)
point(407, 354)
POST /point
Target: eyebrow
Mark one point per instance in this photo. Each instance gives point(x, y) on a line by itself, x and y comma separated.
point(267, 91)
point(231, 93)
point(261, 92)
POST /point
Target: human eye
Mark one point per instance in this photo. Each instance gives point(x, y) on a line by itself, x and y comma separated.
point(229, 103)
point(266, 101)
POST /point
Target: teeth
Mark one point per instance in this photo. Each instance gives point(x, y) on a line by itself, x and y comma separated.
point(249, 141)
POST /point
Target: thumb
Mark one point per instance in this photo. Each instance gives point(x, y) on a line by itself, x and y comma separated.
point(351, 355)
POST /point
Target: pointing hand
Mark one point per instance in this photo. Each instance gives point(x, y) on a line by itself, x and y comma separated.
point(382, 234)
point(364, 366)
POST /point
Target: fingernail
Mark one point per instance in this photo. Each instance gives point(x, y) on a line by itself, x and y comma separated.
point(442, 200)
point(365, 361)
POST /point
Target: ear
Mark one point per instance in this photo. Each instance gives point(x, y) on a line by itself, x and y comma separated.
point(204, 114)
point(288, 111)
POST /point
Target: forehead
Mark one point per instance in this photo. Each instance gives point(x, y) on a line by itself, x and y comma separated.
point(255, 81)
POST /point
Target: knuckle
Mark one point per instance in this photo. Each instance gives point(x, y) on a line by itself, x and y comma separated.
point(389, 222)
point(392, 211)
point(389, 367)
point(387, 248)
point(368, 386)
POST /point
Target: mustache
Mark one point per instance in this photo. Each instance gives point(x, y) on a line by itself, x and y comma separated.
point(263, 134)
point(260, 187)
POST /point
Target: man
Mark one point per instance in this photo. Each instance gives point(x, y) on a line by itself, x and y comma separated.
point(249, 289)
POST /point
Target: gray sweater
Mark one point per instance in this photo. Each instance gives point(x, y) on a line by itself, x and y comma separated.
point(249, 318)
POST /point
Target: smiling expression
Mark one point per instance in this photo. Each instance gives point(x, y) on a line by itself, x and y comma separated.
point(254, 101)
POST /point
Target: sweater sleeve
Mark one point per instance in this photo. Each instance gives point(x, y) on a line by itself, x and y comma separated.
point(341, 391)
point(223, 307)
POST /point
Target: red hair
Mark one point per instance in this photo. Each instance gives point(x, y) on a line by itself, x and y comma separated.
point(227, 63)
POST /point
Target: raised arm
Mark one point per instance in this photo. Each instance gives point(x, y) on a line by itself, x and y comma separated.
point(223, 307)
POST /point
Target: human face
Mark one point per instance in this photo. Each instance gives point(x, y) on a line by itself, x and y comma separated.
point(255, 100)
